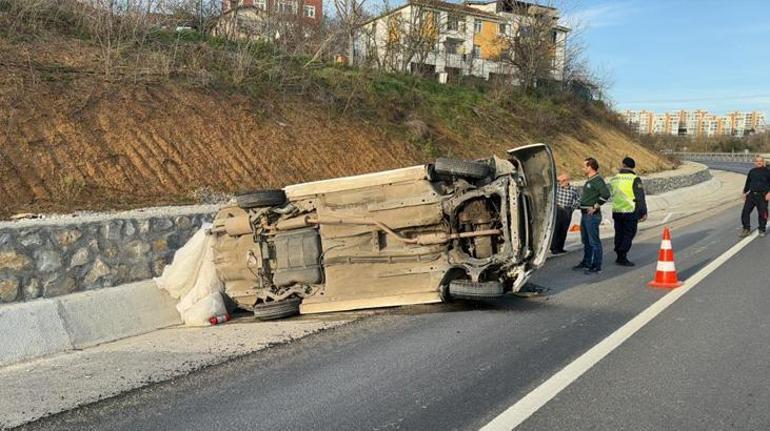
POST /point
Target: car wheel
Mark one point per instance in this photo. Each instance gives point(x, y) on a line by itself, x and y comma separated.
point(460, 168)
point(277, 310)
point(261, 198)
point(464, 289)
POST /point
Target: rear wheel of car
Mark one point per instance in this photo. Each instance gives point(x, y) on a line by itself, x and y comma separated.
point(460, 168)
point(261, 198)
point(464, 289)
point(277, 310)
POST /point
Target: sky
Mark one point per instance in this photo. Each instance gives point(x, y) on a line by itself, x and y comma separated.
point(664, 55)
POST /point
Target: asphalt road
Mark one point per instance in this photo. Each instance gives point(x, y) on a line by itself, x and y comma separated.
point(704, 363)
point(701, 364)
point(741, 168)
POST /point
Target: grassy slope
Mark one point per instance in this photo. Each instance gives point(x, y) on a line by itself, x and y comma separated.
point(72, 140)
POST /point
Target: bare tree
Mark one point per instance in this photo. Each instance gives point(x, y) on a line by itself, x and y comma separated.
point(529, 42)
point(579, 75)
point(404, 37)
point(350, 15)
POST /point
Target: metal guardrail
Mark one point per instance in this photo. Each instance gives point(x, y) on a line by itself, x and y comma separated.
point(717, 157)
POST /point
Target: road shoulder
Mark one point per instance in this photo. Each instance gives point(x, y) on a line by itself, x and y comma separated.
point(50, 385)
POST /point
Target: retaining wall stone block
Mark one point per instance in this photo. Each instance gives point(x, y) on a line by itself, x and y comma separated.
point(57, 259)
point(9, 288)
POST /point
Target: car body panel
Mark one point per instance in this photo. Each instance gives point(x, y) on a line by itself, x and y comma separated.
point(540, 175)
point(336, 185)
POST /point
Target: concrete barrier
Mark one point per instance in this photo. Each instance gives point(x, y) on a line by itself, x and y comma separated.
point(48, 326)
point(31, 330)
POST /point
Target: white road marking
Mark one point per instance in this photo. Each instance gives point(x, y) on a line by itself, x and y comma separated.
point(532, 402)
point(668, 216)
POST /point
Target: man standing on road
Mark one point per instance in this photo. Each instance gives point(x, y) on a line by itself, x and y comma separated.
point(567, 201)
point(595, 193)
point(628, 208)
point(756, 193)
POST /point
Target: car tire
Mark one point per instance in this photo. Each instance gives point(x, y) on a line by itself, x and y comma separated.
point(460, 168)
point(277, 310)
point(465, 289)
point(261, 198)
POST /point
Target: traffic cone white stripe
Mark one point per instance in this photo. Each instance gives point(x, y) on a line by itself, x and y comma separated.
point(665, 244)
point(666, 266)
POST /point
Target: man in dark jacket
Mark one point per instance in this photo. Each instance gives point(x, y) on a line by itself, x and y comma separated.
point(629, 207)
point(595, 194)
point(756, 193)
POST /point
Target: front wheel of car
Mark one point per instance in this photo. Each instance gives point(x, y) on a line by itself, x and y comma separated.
point(460, 168)
point(277, 309)
point(473, 290)
point(261, 198)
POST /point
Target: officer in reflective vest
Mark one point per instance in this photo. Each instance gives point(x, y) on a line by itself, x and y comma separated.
point(629, 207)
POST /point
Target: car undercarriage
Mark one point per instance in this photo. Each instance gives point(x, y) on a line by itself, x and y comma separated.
point(450, 229)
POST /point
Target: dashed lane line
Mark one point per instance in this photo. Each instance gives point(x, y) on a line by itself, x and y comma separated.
point(532, 402)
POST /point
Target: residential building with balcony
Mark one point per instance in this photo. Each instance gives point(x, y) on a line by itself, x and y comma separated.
point(268, 19)
point(449, 40)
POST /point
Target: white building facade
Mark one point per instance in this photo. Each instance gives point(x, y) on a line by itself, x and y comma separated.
point(465, 40)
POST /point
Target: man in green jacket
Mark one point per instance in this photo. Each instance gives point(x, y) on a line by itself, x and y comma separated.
point(595, 193)
point(629, 207)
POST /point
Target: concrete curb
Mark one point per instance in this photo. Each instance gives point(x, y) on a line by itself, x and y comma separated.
point(46, 326)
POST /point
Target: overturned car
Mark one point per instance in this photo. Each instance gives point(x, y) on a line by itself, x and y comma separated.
point(452, 229)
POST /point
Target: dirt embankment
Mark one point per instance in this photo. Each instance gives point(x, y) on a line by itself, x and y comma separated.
point(69, 140)
point(67, 148)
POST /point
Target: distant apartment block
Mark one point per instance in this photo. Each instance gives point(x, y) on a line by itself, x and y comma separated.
point(698, 123)
point(450, 40)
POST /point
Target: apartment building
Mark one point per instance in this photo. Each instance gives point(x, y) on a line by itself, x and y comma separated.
point(650, 123)
point(695, 123)
point(742, 122)
point(450, 40)
point(270, 19)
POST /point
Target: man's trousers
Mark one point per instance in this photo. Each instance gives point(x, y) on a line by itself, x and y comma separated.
point(625, 231)
point(563, 219)
point(755, 199)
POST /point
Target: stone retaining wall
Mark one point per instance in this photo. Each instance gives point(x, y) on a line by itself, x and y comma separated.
point(41, 259)
point(661, 183)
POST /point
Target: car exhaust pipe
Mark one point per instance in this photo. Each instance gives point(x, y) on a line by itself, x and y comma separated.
point(433, 238)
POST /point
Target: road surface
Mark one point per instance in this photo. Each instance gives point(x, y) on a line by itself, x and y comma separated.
point(700, 364)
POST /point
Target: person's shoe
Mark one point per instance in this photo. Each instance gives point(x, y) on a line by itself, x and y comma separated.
point(592, 270)
point(744, 233)
point(579, 266)
point(762, 233)
point(625, 262)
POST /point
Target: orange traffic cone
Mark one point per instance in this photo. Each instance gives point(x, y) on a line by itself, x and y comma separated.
point(665, 275)
point(574, 228)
